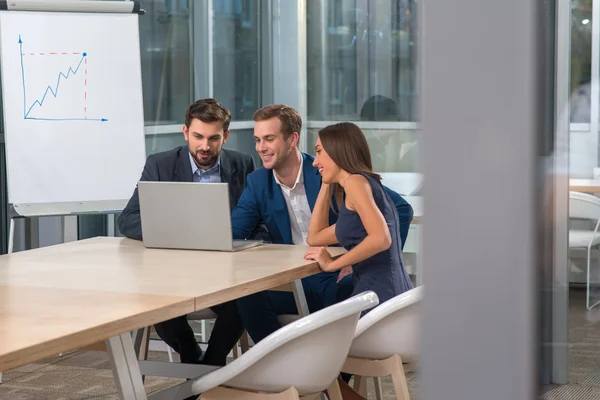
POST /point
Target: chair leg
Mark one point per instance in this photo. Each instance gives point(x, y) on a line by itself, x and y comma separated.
point(203, 330)
point(223, 393)
point(399, 380)
point(144, 347)
point(143, 355)
point(244, 342)
point(588, 282)
point(170, 352)
point(360, 385)
point(347, 392)
point(244, 345)
point(333, 391)
point(311, 397)
point(378, 388)
point(290, 394)
point(377, 368)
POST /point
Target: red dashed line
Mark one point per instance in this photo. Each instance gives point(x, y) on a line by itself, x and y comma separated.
point(53, 53)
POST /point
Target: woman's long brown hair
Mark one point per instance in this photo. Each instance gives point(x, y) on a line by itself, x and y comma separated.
point(347, 146)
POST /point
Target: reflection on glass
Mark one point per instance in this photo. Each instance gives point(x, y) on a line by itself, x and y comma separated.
point(358, 49)
point(392, 150)
point(243, 140)
point(158, 143)
point(236, 56)
point(166, 60)
point(581, 60)
point(239, 140)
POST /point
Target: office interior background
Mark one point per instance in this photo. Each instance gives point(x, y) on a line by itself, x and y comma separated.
point(333, 60)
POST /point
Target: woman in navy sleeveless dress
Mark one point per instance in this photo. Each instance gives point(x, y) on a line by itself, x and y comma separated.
point(384, 272)
point(367, 226)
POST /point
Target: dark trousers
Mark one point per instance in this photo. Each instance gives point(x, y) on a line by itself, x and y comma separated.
point(228, 329)
point(259, 311)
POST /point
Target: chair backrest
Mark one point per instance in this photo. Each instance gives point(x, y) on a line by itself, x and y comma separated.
point(404, 183)
point(307, 354)
point(584, 206)
point(394, 327)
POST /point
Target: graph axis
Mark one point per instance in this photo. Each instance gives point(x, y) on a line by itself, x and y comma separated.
point(27, 109)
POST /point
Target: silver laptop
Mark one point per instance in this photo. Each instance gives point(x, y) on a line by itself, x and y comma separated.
point(192, 216)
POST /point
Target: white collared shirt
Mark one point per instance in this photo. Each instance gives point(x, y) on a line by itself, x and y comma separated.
point(297, 205)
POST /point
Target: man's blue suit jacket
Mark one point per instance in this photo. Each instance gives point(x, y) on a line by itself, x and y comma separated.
point(263, 201)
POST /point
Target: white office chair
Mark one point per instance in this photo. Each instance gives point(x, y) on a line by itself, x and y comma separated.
point(585, 206)
point(404, 183)
point(302, 358)
point(386, 340)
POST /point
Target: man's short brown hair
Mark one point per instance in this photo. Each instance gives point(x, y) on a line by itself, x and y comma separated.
point(290, 119)
point(208, 110)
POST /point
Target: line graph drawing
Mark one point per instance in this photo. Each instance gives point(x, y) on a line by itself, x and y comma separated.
point(38, 103)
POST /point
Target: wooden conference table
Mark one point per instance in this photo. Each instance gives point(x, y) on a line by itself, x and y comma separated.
point(71, 295)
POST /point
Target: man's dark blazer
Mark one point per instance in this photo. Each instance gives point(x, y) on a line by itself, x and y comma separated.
point(174, 166)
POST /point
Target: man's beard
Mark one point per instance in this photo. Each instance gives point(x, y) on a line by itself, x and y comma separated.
point(205, 163)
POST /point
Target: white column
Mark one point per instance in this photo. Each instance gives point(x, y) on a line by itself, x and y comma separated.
point(482, 119)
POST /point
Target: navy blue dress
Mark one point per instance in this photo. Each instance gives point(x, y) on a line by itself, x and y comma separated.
point(384, 272)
